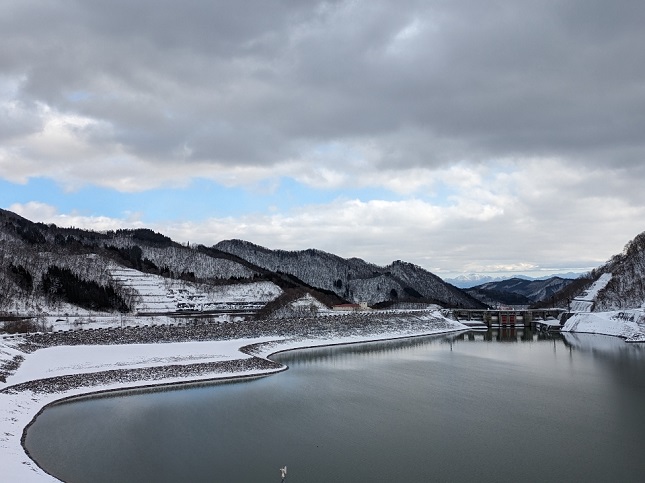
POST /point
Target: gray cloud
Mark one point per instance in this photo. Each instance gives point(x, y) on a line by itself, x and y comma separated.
point(529, 114)
point(426, 83)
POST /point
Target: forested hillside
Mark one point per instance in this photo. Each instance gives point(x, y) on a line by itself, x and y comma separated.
point(617, 285)
point(353, 278)
point(44, 266)
point(519, 291)
point(626, 288)
point(45, 269)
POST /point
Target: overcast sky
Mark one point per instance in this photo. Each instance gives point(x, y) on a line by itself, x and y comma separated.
point(462, 135)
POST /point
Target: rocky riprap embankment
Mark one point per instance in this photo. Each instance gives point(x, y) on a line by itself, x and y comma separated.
point(323, 327)
point(357, 324)
point(151, 374)
point(9, 367)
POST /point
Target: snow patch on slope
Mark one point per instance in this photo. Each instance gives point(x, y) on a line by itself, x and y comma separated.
point(586, 300)
point(156, 294)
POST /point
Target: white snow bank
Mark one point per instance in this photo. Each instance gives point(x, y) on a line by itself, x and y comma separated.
point(628, 324)
point(18, 409)
point(65, 360)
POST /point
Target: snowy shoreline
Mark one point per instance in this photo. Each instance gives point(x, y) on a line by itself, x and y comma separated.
point(23, 398)
point(626, 324)
point(55, 367)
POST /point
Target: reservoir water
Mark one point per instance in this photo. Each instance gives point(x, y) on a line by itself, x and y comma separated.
point(496, 407)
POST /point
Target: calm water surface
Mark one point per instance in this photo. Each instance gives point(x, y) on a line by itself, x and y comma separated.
point(471, 407)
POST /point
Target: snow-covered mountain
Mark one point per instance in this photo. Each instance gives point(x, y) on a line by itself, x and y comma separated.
point(48, 269)
point(624, 278)
point(617, 285)
point(353, 279)
point(518, 291)
point(469, 280)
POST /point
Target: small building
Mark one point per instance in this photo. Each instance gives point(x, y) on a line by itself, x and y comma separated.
point(351, 307)
point(346, 307)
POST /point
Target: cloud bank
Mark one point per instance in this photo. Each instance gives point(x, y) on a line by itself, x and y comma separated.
point(506, 134)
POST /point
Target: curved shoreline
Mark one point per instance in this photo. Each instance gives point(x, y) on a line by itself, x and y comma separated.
point(262, 349)
point(210, 381)
point(21, 466)
point(143, 388)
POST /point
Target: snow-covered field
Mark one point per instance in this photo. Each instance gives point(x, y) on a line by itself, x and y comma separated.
point(215, 359)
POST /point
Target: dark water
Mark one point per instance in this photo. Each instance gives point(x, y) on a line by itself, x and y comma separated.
point(458, 408)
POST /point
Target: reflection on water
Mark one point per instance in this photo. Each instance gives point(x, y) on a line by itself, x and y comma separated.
point(380, 349)
point(503, 405)
point(366, 350)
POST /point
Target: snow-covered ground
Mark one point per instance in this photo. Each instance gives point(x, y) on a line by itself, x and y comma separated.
point(20, 407)
point(157, 294)
point(586, 300)
point(150, 294)
point(628, 324)
point(20, 404)
point(62, 360)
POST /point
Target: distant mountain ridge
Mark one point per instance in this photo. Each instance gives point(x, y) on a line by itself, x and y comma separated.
point(518, 291)
point(470, 280)
point(43, 266)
